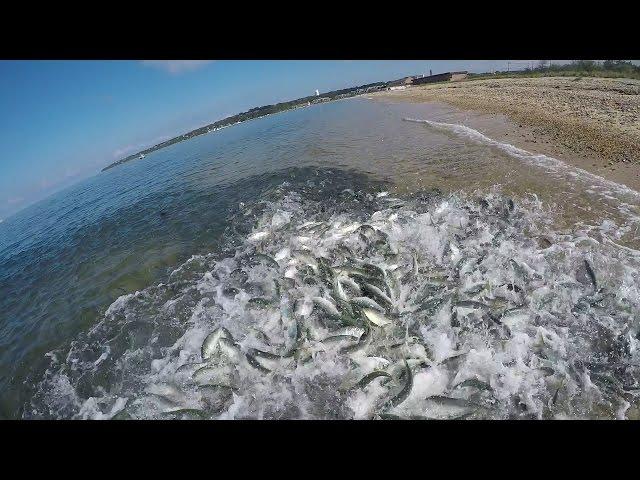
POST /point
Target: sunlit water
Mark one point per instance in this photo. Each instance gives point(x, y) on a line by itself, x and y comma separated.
point(347, 260)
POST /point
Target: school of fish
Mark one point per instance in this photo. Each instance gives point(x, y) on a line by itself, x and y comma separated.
point(372, 305)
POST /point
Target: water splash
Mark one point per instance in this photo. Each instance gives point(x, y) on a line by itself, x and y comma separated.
point(355, 303)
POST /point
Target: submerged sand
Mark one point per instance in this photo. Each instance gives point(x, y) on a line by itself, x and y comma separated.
point(593, 123)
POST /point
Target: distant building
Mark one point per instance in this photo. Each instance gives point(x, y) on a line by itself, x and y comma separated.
point(440, 77)
point(400, 81)
point(317, 93)
point(457, 76)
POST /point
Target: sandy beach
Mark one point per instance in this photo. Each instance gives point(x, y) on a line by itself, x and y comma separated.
point(593, 123)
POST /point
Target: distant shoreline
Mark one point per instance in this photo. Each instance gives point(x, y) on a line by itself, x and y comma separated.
point(260, 112)
point(592, 123)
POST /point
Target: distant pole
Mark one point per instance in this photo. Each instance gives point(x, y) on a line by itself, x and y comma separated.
point(508, 66)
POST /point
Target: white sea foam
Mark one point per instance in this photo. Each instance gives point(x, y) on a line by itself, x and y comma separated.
point(558, 356)
point(597, 182)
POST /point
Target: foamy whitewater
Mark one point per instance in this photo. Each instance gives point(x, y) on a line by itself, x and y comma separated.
point(370, 306)
point(557, 166)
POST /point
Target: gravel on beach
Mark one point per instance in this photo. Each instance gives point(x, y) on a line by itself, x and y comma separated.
point(599, 117)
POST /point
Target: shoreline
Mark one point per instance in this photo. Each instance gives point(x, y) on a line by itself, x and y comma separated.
point(593, 123)
point(253, 114)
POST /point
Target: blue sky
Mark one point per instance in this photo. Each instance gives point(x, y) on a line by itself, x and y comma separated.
point(62, 121)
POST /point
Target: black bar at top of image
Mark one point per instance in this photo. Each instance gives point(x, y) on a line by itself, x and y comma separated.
point(435, 31)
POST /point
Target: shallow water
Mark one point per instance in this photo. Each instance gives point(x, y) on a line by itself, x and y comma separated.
point(109, 288)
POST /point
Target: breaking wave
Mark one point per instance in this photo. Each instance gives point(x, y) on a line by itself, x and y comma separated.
point(550, 163)
point(331, 302)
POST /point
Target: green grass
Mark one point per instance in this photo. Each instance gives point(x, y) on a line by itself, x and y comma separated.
point(562, 73)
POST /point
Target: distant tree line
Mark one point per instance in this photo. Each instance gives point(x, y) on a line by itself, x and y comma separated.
point(257, 112)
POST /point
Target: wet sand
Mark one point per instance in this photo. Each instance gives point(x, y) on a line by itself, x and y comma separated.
point(592, 123)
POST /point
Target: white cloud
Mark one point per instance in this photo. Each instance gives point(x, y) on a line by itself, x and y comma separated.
point(45, 183)
point(176, 66)
point(121, 152)
point(124, 151)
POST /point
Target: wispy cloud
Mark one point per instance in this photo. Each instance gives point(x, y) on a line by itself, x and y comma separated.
point(14, 200)
point(45, 183)
point(121, 152)
point(176, 66)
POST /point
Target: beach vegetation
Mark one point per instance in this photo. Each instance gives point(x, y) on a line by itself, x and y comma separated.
point(576, 68)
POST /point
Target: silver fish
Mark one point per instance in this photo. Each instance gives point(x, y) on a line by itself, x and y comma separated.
point(212, 342)
point(406, 390)
point(379, 294)
point(375, 317)
point(326, 305)
point(367, 302)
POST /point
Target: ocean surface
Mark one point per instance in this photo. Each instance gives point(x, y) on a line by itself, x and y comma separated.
point(356, 259)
